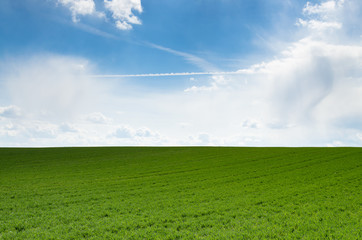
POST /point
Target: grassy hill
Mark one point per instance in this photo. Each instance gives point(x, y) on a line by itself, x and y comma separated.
point(181, 193)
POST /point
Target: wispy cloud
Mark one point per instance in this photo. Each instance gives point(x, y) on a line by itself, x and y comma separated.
point(193, 59)
point(95, 31)
point(243, 71)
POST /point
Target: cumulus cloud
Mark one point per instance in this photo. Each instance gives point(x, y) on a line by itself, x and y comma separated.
point(123, 12)
point(325, 17)
point(79, 7)
point(324, 9)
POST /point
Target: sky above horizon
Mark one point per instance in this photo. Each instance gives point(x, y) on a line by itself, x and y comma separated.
point(216, 72)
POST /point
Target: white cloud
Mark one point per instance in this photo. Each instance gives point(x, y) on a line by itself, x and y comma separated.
point(200, 139)
point(320, 25)
point(297, 99)
point(98, 117)
point(326, 16)
point(68, 128)
point(79, 7)
point(123, 25)
point(123, 132)
point(10, 112)
point(213, 87)
point(309, 95)
point(198, 61)
point(50, 86)
point(95, 31)
point(204, 138)
point(122, 12)
point(128, 135)
point(217, 81)
point(8, 130)
point(324, 9)
point(129, 132)
point(311, 73)
point(243, 71)
point(42, 130)
point(359, 136)
point(251, 123)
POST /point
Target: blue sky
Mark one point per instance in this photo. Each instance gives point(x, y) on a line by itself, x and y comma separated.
point(131, 72)
point(223, 32)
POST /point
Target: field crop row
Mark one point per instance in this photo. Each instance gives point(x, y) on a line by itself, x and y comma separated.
point(180, 193)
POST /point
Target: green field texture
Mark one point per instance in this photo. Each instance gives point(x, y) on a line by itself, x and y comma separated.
point(180, 193)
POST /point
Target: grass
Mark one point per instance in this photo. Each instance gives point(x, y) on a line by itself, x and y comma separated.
point(180, 193)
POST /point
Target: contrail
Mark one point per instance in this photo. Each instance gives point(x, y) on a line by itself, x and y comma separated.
point(169, 74)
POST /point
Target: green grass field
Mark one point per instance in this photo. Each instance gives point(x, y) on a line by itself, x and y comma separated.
point(181, 193)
